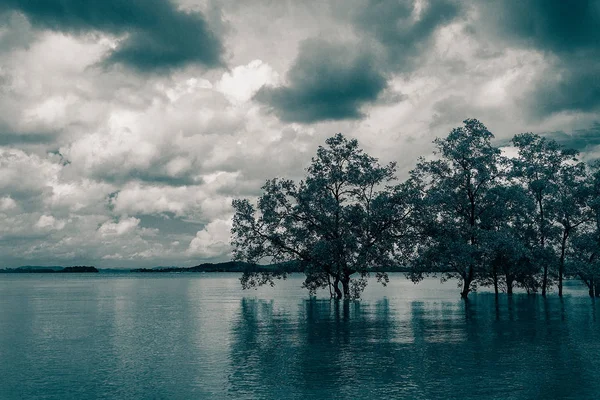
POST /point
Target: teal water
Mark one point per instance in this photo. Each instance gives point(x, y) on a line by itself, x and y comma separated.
point(199, 336)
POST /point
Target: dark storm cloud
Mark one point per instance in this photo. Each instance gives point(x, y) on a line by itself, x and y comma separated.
point(568, 31)
point(332, 81)
point(576, 87)
point(328, 81)
point(580, 139)
point(153, 175)
point(403, 32)
point(11, 137)
point(158, 35)
point(554, 25)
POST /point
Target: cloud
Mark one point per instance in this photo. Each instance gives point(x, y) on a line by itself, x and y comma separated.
point(7, 203)
point(15, 31)
point(198, 202)
point(244, 81)
point(328, 81)
point(574, 86)
point(153, 34)
point(124, 226)
point(334, 79)
point(583, 140)
point(212, 241)
point(404, 28)
point(48, 222)
point(567, 33)
point(27, 177)
point(551, 25)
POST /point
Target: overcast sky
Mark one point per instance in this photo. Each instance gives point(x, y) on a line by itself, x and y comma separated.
point(128, 126)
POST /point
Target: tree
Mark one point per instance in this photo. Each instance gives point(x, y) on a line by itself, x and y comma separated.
point(509, 236)
point(571, 208)
point(584, 252)
point(537, 167)
point(584, 259)
point(456, 196)
point(342, 222)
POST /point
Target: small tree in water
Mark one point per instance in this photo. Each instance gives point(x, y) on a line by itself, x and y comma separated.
point(342, 222)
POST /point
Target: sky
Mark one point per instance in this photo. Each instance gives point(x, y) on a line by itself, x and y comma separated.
point(128, 126)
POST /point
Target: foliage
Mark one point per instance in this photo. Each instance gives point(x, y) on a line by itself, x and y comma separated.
point(468, 212)
point(457, 188)
point(344, 221)
point(509, 240)
point(537, 168)
point(584, 254)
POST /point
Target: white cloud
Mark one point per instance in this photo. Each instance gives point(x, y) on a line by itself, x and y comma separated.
point(120, 228)
point(245, 80)
point(199, 202)
point(7, 203)
point(51, 113)
point(47, 222)
point(212, 241)
point(23, 172)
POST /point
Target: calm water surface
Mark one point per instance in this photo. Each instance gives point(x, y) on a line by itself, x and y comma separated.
point(199, 336)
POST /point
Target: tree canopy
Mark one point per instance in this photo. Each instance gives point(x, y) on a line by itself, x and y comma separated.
point(457, 190)
point(345, 220)
point(468, 212)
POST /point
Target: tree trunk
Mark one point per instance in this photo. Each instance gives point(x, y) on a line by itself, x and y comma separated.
point(465, 292)
point(596, 287)
point(495, 277)
point(561, 265)
point(543, 243)
point(496, 286)
point(509, 285)
point(338, 292)
point(467, 284)
point(545, 280)
point(346, 286)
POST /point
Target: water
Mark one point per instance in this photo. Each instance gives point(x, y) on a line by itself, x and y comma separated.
point(199, 336)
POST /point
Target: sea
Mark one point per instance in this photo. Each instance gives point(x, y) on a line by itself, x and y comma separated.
point(200, 336)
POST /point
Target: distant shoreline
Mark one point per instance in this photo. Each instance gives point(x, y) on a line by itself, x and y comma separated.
point(239, 266)
point(49, 270)
point(229, 266)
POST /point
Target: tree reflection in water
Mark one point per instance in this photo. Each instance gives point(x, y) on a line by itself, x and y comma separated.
point(524, 347)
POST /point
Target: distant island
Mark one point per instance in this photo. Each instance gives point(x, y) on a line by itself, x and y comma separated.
point(31, 269)
point(229, 266)
point(240, 266)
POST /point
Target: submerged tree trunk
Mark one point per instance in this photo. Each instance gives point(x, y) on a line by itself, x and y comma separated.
point(495, 277)
point(545, 279)
point(346, 286)
point(543, 243)
point(561, 265)
point(465, 292)
point(330, 286)
point(467, 283)
point(509, 285)
point(496, 285)
point(336, 288)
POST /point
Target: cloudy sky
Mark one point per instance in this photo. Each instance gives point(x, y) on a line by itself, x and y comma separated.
point(128, 126)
